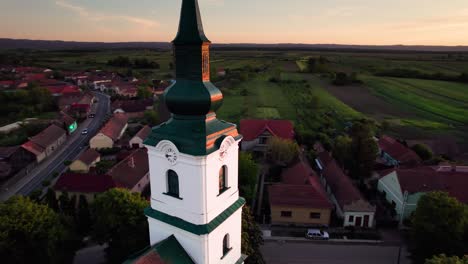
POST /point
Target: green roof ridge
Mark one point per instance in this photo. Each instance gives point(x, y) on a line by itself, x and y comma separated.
point(193, 228)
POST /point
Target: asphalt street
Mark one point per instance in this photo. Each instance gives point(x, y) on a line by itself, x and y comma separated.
point(275, 252)
point(71, 149)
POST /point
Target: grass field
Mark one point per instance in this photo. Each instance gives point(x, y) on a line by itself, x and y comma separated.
point(416, 107)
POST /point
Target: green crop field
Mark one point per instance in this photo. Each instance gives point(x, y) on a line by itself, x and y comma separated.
point(437, 101)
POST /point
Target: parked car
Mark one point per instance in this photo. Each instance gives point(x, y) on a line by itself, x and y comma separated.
point(84, 132)
point(92, 116)
point(317, 234)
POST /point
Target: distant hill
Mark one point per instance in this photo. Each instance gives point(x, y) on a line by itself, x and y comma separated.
point(8, 44)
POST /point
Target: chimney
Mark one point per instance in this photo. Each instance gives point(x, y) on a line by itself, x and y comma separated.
point(131, 162)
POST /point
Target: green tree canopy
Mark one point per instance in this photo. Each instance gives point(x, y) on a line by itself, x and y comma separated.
point(342, 150)
point(251, 238)
point(144, 92)
point(248, 170)
point(151, 117)
point(119, 221)
point(363, 149)
point(443, 259)
point(282, 151)
point(423, 151)
point(439, 225)
point(32, 233)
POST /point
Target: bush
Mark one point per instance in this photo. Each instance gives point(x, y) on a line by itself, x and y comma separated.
point(45, 183)
point(67, 162)
point(423, 151)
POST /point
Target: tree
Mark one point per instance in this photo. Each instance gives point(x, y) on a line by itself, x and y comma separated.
point(443, 259)
point(363, 149)
point(103, 166)
point(341, 78)
point(51, 200)
point(251, 238)
point(119, 221)
point(83, 216)
point(144, 93)
point(33, 233)
point(342, 150)
point(151, 117)
point(439, 225)
point(423, 151)
point(248, 170)
point(282, 151)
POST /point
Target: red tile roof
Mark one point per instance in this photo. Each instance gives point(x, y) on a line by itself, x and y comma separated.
point(252, 128)
point(84, 183)
point(89, 156)
point(144, 132)
point(426, 179)
point(302, 178)
point(113, 128)
point(131, 170)
point(33, 148)
point(133, 106)
point(48, 136)
point(397, 150)
point(340, 184)
point(150, 258)
point(296, 196)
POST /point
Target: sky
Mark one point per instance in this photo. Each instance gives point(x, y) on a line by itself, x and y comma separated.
point(361, 22)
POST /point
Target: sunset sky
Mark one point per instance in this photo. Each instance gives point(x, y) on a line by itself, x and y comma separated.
point(411, 22)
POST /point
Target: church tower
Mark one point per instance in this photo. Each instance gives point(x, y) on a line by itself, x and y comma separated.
point(193, 158)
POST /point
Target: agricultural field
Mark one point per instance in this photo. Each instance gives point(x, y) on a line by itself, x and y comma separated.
point(278, 84)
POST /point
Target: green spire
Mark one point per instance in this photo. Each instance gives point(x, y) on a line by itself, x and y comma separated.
point(190, 25)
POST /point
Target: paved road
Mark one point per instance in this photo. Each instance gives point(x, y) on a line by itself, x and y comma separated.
point(315, 253)
point(69, 151)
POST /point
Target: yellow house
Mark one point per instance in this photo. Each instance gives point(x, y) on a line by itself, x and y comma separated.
point(110, 133)
point(87, 159)
point(298, 205)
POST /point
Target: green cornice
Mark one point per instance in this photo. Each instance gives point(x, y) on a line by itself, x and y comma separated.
point(192, 228)
point(192, 134)
point(190, 25)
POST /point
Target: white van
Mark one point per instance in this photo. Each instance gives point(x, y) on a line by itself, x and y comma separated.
point(317, 234)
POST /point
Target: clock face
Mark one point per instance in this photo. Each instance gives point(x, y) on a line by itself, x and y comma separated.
point(171, 155)
point(223, 150)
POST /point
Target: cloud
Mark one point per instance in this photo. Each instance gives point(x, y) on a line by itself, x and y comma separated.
point(83, 12)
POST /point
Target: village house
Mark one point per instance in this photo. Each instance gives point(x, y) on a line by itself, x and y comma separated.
point(46, 143)
point(257, 132)
point(13, 159)
point(66, 122)
point(86, 184)
point(82, 107)
point(350, 205)
point(110, 133)
point(394, 153)
point(87, 159)
point(133, 172)
point(133, 108)
point(300, 199)
point(139, 138)
point(403, 187)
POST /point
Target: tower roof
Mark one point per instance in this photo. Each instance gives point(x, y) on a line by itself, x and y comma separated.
point(190, 25)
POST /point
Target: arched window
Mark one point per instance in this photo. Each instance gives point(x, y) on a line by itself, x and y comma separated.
point(226, 247)
point(222, 179)
point(172, 183)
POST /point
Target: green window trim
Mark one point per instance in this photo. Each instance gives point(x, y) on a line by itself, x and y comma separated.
point(193, 228)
